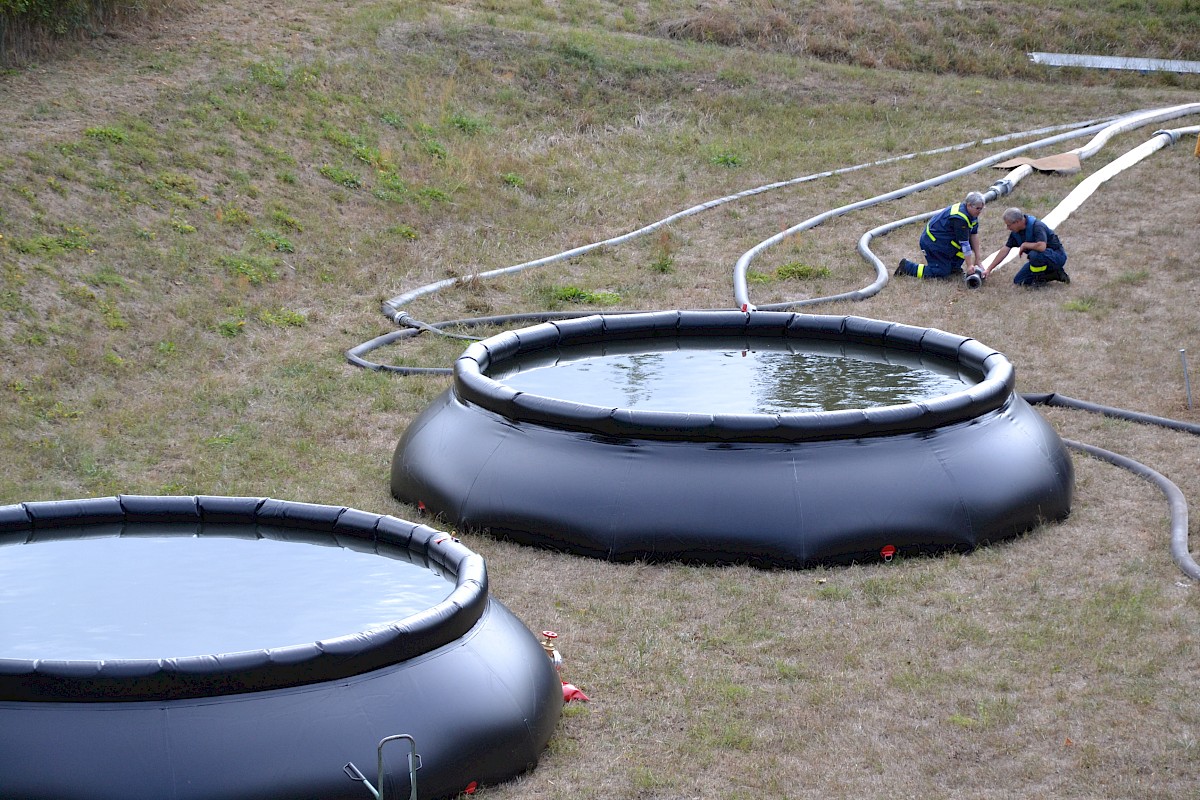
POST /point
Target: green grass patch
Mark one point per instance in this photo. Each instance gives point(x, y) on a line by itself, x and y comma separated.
point(70, 239)
point(231, 328)
point(404, 231)
point(1133, 277)
point(465, 123)
point(1082, 305)
point(255, 269)
point(107, 134)
point(285, 220)
point(232, 214)
point(341, 176)
point(726, 158)
point(270, 73)
point(275, 241)
point(282, 318)
point(801, 272)
point(181, 225)
point(577, 296)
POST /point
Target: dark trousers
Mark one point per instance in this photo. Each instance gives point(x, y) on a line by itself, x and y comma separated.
point(1043, 267)
point(938, 264)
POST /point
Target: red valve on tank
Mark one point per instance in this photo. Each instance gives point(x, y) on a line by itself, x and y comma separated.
point(888, 551)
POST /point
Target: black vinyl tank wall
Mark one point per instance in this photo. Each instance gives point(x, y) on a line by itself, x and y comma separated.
point(464, 678)
point(949, 473)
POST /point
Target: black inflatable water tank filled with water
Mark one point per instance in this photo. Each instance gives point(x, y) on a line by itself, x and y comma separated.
point(239, 648)
point(593, 466)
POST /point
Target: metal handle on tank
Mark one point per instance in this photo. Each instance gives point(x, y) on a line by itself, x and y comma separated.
point(414, 764)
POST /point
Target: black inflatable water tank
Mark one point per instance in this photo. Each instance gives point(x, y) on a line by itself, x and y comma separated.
point(949, 472)
point(464, 678)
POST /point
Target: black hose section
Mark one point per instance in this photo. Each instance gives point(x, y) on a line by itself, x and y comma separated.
point(408, 321)
point(415, 327)
point(1175, 499)
point(1061, 401)
point(354, 355)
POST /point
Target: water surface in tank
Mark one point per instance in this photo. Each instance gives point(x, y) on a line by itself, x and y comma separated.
point(151, 593)
point(714, 375)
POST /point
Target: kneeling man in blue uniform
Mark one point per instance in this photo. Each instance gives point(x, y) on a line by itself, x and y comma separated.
point(950, 241)
point(1036, 241)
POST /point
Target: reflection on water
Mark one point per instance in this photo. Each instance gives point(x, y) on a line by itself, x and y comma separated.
point(148, 596)
point(728, 376)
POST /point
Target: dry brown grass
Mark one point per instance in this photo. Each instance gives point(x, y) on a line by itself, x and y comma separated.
point(1062, 664)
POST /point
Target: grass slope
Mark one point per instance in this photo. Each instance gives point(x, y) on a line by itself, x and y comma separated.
point(198, 217)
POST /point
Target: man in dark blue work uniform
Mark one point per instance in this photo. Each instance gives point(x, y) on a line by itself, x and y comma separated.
point(1036, 241)
point(950, 241)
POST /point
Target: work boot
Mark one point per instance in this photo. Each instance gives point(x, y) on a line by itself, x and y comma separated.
point(902, 268)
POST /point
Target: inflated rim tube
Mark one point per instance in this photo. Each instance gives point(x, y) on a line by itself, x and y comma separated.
point(211, 675)
point(995, 373)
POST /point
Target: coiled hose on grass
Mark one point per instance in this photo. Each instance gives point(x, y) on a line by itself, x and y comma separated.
point(412, 327)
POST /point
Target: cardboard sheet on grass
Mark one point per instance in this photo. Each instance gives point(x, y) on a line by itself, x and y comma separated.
point(1063, 163)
